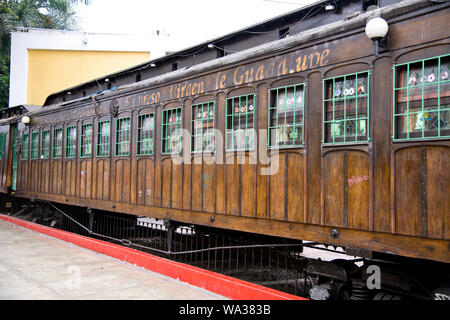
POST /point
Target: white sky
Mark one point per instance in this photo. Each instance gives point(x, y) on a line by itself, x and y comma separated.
point(191, 22)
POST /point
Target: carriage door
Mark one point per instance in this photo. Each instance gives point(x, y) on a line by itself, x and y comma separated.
point(14, 156)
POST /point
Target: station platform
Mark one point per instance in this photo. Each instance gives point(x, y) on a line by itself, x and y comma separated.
point(40, 262)
point(34, 266)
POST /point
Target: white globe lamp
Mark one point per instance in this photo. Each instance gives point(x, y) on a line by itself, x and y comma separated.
point(376, 30)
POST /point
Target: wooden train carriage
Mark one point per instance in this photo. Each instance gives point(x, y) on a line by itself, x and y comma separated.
point(362, 141)
point(8, 145)
point(4, 161)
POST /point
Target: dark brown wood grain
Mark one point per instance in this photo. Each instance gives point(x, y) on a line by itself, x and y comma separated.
point(381, 195)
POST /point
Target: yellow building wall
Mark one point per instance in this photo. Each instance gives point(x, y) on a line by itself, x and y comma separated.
point(50, 71)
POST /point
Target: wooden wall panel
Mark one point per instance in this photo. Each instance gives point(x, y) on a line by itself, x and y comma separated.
point(233, 196)
point(422, 202)
point(99, 179)
point(262, 181)
point(313, 136)
point(126, 181)
point(438, 192)
point(141, 178)
point(334, 193)
point(347, 189)
point(83, 178)
point(408, 178)
point(44, 176)
point(57, 177)
point(26, 176)
point(20, 171)
point(220, 189)
point(103, 179)
point(133, 181)
point(158, 184)
point(381, 137)
point(118, 183)
point(166, 182)
point(70, 177)
point(358, 188)
point(38, 176)
point(34, 177)
point(21, 175)
point(88, 193)
point(149, 190)
point(106, 180)
point(209, 190)
point(177, 185)
point(187, 186)
point(277, 190)
point(295, 187)
point(197, 181)
point(248, 188)
point(123, 181)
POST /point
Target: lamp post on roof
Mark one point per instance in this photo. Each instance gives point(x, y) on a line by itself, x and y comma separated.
point(26, 120)
point(376, 30)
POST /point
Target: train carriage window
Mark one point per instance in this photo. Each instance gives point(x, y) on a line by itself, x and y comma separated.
point(346, 108)
point(145, 134)
point(240, 126)
point(57, 143)
point(34, 152)
point(202, 127)
point(103, 138)
point(86, 141)
point(71, 142)
point(45, 144)
point(24, 146)
point(172, 135)
point(2, 145)
point(422, 99)
point(123, 130)
point(286, 114)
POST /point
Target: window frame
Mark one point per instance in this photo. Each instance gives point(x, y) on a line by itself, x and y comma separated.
point(357, 118)
point(24, 150)
point(34, 134)
point(295, 124)
point(398, 85)
point(82, 141)
point(118, 132)
point(208, 118)
point(232, 130)
point(178, 124)
point(45, 134)
point(71, 145)
point(57, 143)
point(151, 133)
point(101, 146)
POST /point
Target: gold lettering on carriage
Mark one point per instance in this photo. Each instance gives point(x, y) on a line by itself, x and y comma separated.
point(187, 89)
point(275, 67)
point(142, 99)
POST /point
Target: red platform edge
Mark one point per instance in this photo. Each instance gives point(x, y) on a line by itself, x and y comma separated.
point(220, 284)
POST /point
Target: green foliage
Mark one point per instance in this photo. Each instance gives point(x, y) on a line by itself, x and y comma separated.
point(46, 14)
point(4, 82)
